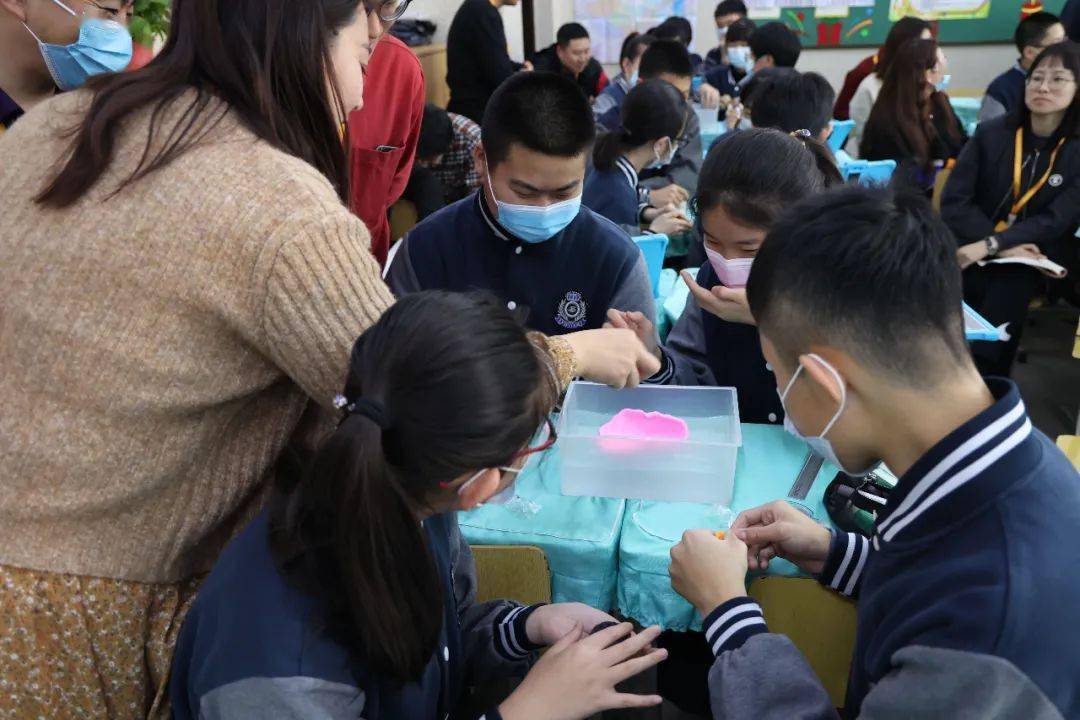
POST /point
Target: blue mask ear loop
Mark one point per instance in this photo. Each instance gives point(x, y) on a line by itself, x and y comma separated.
point(64, 7)
point(839, 382)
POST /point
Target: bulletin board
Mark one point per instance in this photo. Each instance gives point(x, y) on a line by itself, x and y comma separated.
point(851, 23)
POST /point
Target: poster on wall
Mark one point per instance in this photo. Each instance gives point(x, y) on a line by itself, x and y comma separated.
point(940, 9)
point(610, 21)
point(768, 6)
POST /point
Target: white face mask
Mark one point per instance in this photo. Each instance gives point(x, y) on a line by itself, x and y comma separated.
point(660, 162)
point(739, 57)
point(733, 273)
point(502, 497)
point(721, 33)
point(819, 443)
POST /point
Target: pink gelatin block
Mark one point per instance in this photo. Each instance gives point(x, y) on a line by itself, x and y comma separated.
point(633, 423)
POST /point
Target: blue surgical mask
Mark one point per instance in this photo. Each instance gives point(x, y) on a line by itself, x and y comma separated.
point(739, 57)
point(536, 223)
point(944, 84)
point(103, 46)
point(819, 443)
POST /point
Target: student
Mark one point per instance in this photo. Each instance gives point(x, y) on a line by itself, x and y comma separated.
point(477, 61)
point(1035, 33)
point(793, 101)
point(727, 13)
point(1003, 202)
point(725, 76)
point(445, 169)
point(866, 93)
point(912, 121)
point(748, 179)
point(571, 55)
point(42, 40)
point(774, 44)
point(524, 236)
point(633, 48)
point(904, 29)
point(964, 605)
point(653, 116)
point(354, 594)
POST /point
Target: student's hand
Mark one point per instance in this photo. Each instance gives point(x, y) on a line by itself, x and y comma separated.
point(726, 100)
point(671, 222)
point(708, 571)
point(650, 213)
point(671, 195)
point(637, 322)
point(527, 66)
point(708, 96)
point(547, 624)
point(576, 678)
point(972, 253)
point(725, 303)
point(779, 530)
point(733, 115)
point(612, 356)
point(1027, 250)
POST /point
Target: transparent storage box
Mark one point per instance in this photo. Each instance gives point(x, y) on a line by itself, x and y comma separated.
point(699, 469)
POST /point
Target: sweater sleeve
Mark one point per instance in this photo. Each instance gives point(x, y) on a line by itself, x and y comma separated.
point(635, 292)
point(959, 207)
point(684, 359)
point(848, 553)
point(322, 290)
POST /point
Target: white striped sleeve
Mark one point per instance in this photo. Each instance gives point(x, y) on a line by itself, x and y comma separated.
point(848, 553)
point(733, 623)
point(511, 640)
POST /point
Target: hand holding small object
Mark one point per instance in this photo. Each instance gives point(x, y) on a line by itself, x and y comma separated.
point(725, 303)
point(708, 96)
point(707, 570)
point(779, 530)
point(672, 194)
point(671, 222)
point(636, 321)
point(612, 356)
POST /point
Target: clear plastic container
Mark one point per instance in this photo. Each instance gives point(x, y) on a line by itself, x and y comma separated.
point(699, 469)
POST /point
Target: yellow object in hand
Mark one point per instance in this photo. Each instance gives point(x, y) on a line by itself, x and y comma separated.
point(719, 534)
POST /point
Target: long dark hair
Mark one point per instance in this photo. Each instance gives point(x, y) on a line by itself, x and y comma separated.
point(457, 387)
point(1069, 54)
point(903, 109)
point(267, 61)
point(652, 110)
point(755, 173)
point(906, 28)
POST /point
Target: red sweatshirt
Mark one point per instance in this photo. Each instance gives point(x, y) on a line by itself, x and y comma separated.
point(390, 119)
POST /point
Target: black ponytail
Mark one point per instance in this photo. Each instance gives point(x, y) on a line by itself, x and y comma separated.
point(823, 158)
point(651, 110)
point(442, 385)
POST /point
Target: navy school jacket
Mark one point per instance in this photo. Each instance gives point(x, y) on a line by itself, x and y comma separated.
point(253, 646)
point(614, 194)
point(702, 349)
point(565, 284)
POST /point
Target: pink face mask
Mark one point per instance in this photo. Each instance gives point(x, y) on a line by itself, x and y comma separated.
point(732, 273)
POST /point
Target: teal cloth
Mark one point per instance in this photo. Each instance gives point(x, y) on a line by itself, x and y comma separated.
point(664, 323)
point(580, 535)
point(768, 463)
point(967, 112)
point(675, 300)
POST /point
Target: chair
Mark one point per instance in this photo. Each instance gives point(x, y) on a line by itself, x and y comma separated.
point(841, 129)
point(1070, 445)
point(820, 622)
point(940, 179)
point(868, 172)
point(512, 572)
point(653, 248)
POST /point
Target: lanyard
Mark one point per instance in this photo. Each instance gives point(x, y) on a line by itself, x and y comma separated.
point(1019, 201)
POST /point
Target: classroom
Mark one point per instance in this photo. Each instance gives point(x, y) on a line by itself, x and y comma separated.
point(539, 359)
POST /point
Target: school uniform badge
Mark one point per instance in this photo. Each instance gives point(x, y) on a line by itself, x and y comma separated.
point(1055, 180)
point(572, 309)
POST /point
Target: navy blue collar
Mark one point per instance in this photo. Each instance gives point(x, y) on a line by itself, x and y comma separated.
point(627, 170)
point(970, 467)
point(492, 222)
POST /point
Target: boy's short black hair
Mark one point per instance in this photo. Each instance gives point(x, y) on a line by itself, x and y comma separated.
point(1032, 29)
point(730, 7)
point(740, 30)
point(668, 57)
point(436, 133)
point(545, 112)
point(675, 28)
point(791, 101)
point(569, 32)
point(870, 271)
point(779, 41)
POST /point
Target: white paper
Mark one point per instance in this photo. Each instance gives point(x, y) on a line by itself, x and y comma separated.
point(1047, 265)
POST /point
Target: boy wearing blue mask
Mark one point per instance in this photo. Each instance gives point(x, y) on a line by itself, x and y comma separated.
point(524, 236)
point(52, 45)
point(966, 589)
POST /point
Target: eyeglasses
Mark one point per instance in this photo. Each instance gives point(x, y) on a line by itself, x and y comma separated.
point(387, 10)
point(1055, 83)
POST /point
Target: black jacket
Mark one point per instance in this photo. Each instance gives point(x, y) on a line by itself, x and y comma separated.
point(476, 58)
point(883, 141)
point(979, 191)
point(591, 80)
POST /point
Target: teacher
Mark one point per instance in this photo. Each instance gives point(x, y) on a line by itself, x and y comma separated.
point(180, 284)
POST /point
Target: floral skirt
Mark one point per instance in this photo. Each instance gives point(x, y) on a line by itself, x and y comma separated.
point(85, 647)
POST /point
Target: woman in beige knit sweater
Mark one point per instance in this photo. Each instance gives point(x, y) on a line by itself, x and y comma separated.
point(180, 285)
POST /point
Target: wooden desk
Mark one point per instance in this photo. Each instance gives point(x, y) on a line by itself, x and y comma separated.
point(433, 61)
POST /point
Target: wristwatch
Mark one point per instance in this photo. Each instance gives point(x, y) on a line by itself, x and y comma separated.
point(992, 245)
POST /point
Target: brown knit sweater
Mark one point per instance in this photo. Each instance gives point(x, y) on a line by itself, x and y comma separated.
point(158, 348)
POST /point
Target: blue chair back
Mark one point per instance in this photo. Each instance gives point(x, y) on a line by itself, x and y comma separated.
point(653, 248)
point(976, 327)
point(840, 131)
point(868, 172)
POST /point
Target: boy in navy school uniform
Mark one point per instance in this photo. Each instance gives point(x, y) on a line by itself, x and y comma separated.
point(524, 235)
point(967, 591)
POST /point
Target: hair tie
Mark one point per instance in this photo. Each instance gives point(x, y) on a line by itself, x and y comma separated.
point(800, 133)
point(370, 409)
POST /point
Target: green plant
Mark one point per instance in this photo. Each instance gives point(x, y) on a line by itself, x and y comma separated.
point(151, 20)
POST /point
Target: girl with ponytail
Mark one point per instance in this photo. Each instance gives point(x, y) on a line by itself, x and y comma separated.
point(654, 116)
point(748, 178)
point(352, 596)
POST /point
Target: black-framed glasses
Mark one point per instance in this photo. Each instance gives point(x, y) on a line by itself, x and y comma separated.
point(387, 10)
